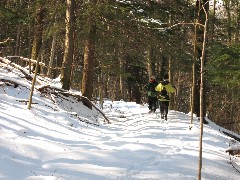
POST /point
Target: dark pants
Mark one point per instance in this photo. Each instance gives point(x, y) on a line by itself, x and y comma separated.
point(164, 107)
point(152, 103)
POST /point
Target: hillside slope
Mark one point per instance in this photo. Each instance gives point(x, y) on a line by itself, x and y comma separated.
point(61, 138)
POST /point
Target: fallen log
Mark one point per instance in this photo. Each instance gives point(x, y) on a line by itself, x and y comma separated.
point(25, 101)
point(53, 90)
point(25, 72)
point(231, 135)
point(234, 151)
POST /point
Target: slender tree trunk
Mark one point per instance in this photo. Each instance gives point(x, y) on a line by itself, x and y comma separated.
point(229, 19)
point(37, 64)
point(89, 51)
point(213, 21)
point(237, 34)
point(171, 104)
point(120, 75)
point(100, 88)
point(34, 80)
point(150, 63)
point(38, 31)
point(18, 40)
point(121, 79)
point(29, 37)
point(53, 48)
point(202, 114)
point(200, 38)
point(193, 73)
point(69, 46)
point(178, 90)
point(129, 91)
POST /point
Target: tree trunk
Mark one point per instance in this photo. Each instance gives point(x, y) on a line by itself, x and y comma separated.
point(213, 21)
point(89, 51)
point(100, 88)
point(193, 73)
point(38, 31)
point(171, 104)
point(53, 48)
point(200, 38)
point(120, 93)
point(202, 99)
point(150, 63)
point(163, 69)
point(29, 37)
point(114, 88)
point(69, 46)
point(229, 19)
point(37, 64)
point(236, 39)
point(121, 80)
point(18, 40)
point(178, 89)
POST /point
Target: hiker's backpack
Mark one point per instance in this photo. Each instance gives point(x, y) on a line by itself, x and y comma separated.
point(163, 93)
point(151, 89)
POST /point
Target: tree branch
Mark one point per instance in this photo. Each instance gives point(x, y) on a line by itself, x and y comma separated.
point(6, 40)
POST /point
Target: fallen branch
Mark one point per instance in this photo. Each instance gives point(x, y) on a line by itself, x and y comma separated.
point(234, 164)
point(9, 83)
point(53, 90)
point(25, 101)
point(26, 74)
point(234, 153)
point(6, 40)
point(231, 135)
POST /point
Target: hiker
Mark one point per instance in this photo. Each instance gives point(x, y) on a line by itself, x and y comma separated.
point(164, 88)
point(152, 94)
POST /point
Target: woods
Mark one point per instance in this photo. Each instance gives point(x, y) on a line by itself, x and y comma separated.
point(109, 49)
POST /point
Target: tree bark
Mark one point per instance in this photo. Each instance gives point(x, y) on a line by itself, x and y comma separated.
point(69, 46)
point(121, 79)
point(18, 40)
point(192, 100)
point(236, 39)
point(229, 19)
point(202, 99)
point(201, 5)
point(89, 51)
point(38, 31)
point(54, 39)
point(150, 63)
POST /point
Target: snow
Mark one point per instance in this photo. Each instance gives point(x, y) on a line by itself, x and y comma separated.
point(53, 141)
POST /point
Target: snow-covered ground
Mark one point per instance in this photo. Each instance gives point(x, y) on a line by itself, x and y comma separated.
point(62, 139)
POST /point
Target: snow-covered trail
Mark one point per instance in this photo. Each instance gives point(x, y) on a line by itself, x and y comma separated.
point(50, 142)
point(141, 133)
point(171, 141)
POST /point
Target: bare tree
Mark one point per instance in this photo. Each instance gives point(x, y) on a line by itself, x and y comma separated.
point(202, 91)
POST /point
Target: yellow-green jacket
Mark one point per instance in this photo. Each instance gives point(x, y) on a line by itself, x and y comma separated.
point(169, 89)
